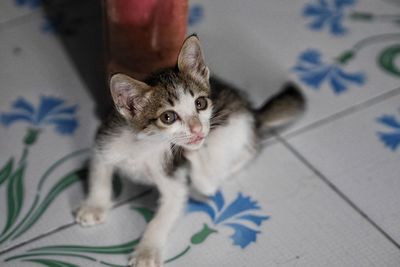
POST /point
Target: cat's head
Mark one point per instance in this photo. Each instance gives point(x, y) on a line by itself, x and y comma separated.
point(172, 105)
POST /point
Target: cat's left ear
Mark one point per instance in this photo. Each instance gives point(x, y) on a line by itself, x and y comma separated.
point(129, 95)
point(191, 60)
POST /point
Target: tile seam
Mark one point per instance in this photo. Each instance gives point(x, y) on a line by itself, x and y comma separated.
point(335, 189)
point(343, 113)
point(66, 226)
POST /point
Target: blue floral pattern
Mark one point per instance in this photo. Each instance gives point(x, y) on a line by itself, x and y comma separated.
point(50, 111)
point(328, 14)
point(232, 215)
point(390, 139)
point(196, 14)
point(313, 72)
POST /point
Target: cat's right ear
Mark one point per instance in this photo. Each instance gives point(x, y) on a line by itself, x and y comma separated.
point(191, 60)
point(129, 95)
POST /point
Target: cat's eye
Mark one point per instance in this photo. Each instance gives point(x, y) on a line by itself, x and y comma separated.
point(168, 117)
point(201, 103)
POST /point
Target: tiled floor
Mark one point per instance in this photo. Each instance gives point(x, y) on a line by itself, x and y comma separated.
point(324, 192)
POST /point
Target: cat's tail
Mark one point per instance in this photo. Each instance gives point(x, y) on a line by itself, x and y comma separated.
point(281, 110)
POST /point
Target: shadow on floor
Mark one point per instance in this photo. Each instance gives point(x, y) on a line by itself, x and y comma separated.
point(79, 25)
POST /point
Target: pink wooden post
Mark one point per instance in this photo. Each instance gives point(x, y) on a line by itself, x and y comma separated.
point(144, 35)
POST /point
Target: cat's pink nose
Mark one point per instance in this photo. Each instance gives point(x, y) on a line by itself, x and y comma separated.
point(195, 125)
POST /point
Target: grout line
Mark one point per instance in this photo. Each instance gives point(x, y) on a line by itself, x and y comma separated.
point(68, 225)
point(23, 243)
point(337, 190)
point(126, 201)
point(269, 141)
point(358, 107)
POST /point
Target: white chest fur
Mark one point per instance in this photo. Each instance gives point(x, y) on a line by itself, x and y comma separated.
point(138, 159)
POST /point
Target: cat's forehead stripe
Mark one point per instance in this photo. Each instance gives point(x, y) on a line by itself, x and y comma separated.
point(171, 93)
point(170, 101)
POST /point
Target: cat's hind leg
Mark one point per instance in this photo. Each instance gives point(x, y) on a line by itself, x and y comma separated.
point(94, 209)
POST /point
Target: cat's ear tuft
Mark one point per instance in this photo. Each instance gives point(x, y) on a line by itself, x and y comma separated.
point(129, 95)
point(191, 60)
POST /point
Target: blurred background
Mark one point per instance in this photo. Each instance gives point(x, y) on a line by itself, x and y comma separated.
point(324, 192)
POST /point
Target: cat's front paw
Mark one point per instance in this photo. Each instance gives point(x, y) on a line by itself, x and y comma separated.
point(90, 215)
point(203, 186)
point(145, 257)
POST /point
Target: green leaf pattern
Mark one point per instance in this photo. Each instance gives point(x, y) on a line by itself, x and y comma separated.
point(15, 191)
point(15, 197)
point(52, 263)
point(125, 248)
point(6, 170)
point(387, 59)
point(63, 184)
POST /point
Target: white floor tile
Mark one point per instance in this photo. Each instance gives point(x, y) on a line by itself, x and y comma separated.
point(255, 47)
point(36, 73)
point(308, 225)
point(11, 9)
point(258, 46)
point(351, 155)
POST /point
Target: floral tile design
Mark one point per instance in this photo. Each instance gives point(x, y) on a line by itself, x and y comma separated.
point(390, 139)
point(294, 217)
point(77, 246)
point(361, 159)
point(230, 215)
point(48, 133)
point(278, 211)
point(312, 71)
point(335, 71)
point(330, 15)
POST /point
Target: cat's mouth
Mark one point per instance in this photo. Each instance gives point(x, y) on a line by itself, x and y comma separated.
point(196, 140)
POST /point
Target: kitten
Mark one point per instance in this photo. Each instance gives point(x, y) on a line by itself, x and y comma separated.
point(179, 123)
